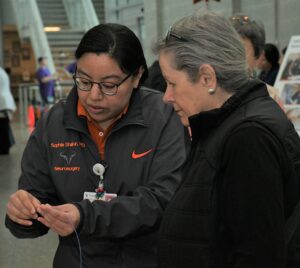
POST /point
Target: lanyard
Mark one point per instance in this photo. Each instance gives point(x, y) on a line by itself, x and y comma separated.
point(99, 169)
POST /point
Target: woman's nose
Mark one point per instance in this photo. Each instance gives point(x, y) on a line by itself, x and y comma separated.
point(168, 95)
point(96, 91)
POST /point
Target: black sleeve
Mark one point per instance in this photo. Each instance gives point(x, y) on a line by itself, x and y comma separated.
point(252, 198)
point(35, 179)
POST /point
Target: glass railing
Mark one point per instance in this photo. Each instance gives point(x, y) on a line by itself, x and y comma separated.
point(81, 14)
point(29, 95)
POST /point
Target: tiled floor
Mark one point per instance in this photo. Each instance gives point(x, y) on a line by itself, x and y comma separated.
point(20, 253)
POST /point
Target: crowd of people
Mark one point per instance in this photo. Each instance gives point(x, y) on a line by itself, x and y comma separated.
point(190, 164)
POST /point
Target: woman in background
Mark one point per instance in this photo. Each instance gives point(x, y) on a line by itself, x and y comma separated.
point(269, 64)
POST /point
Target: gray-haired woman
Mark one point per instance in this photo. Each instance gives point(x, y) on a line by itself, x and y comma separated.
point(240, 183)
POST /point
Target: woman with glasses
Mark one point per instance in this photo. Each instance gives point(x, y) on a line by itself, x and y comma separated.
point(240, 181)
point(101, 166)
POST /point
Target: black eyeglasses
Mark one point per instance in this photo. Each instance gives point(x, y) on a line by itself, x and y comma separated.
point(107, 88)
point(172, 34)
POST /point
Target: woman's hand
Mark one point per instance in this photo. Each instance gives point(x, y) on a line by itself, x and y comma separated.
point(22, 207)
point(62, 219)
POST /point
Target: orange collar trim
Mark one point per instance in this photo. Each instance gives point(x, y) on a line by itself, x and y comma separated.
point(81, 111)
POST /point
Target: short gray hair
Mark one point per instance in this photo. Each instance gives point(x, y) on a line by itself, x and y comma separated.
point(207, 38)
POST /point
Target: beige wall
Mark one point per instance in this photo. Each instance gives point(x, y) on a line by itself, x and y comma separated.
point(280, 22)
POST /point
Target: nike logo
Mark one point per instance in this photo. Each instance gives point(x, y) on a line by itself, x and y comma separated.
point(135, 155)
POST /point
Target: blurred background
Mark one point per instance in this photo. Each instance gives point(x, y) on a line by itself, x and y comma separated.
point(53, 28)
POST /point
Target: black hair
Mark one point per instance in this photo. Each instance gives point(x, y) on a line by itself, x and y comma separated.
point(40, 59)
point(283, 50)
point(119, 42)
point(271, 54)
point(250, 29)
point(8, 70)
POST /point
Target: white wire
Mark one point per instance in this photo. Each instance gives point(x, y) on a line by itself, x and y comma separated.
point(79, 248)
point(79, 245)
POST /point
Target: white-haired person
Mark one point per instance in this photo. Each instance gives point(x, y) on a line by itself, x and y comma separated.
point(240, 182)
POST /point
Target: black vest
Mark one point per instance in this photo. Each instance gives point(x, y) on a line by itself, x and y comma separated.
point(190, 229)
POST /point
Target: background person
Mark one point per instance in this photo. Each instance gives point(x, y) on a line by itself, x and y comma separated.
point(240, 182)
point(269, 64)
point(7, 108)
point(253, 38)
point(46, 81)
point(155, 79)
point(71, 68)
point(108, 119)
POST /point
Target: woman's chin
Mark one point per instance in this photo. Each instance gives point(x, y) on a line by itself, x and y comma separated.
point(185, 121)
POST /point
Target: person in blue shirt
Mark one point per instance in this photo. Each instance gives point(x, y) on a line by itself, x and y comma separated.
point(71, 68)
point(46, 81)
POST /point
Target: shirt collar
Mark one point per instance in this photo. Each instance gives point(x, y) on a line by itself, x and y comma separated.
point(134, 112)
point(81, 112)
point(203, 122)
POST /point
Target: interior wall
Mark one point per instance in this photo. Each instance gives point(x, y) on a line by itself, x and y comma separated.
point(7, 14)
point(1, 40)
point(15, 55)
point(18, 58)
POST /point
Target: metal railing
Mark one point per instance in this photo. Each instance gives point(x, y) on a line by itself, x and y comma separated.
point(29, 94)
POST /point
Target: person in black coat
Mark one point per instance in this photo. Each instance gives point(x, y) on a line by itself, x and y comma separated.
point(155, 79)
point(269, 64)
point(239, 184)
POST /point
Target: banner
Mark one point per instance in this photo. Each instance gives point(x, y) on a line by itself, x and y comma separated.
point(288, 81)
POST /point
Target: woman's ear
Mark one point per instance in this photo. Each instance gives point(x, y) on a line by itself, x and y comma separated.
point(207, 76)
point(137, 77)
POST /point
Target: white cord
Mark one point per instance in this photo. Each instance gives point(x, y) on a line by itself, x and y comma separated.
point(79, 248)
point(79, 245)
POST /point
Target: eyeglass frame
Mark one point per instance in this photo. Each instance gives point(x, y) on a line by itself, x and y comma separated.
point(171, 33)
point(116, 85)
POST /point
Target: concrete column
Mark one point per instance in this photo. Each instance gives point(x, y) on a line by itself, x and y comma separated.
point(276, 22)
point(153, 26)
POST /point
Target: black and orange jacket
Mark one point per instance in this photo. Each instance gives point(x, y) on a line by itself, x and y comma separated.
point(144, 153)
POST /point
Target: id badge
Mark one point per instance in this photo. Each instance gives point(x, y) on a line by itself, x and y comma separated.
point(91, 196)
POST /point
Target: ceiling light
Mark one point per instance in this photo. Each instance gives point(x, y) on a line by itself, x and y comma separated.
point(52, 29)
